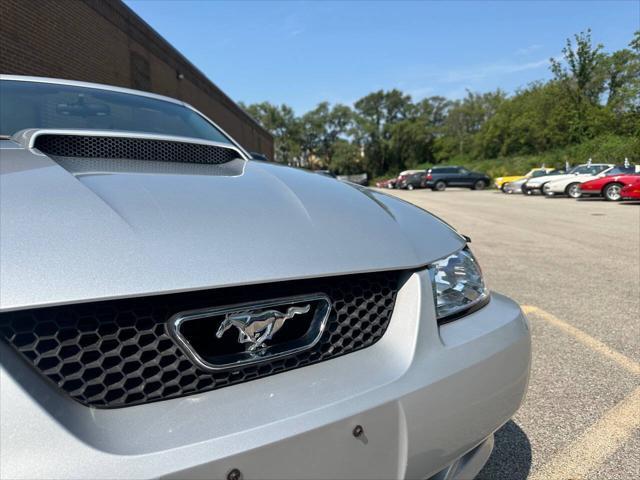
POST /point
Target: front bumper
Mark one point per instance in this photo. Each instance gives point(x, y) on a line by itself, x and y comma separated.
point(512, 189)
point(428, 399)
point(550, 189)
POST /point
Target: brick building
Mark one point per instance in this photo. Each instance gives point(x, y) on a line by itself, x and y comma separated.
point(104, 41)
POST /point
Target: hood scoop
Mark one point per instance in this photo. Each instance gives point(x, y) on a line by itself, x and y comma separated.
point(128, 146)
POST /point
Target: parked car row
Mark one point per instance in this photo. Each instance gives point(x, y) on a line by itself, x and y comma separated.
point(591, 179)
point(437, 179)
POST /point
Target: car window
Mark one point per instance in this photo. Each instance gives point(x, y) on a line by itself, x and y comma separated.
point(538, 173)
point(464, 171)
point(51, 105)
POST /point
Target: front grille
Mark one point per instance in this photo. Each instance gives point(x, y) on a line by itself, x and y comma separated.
point(118, 353)
point(133, 149)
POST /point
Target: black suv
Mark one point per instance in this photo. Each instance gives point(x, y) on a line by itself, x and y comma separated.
point(439, 178)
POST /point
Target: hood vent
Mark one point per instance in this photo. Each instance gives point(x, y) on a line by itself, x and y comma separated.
point(134, 149)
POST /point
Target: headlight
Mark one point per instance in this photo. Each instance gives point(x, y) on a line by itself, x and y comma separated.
point(458, 287)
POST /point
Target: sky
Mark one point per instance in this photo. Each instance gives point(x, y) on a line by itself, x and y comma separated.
point(302, 53)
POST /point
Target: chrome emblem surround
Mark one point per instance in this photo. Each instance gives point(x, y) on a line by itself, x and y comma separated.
point(256, 324)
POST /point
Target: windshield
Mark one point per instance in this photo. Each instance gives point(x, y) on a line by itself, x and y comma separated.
point(50, 105)
point(538, 173)
point(621, 170)
point(589, 169)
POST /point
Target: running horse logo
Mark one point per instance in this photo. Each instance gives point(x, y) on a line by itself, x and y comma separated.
point(257, 328)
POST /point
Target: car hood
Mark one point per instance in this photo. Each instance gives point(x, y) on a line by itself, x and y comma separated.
point(75, 230)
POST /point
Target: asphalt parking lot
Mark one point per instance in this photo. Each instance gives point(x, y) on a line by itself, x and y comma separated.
point(574, 266)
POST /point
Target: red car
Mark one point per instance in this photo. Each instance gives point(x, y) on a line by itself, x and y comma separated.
point(609, 186)
point(390, 183)
point(631, 188)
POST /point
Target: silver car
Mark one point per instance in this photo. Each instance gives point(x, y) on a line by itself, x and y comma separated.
point(171, 308)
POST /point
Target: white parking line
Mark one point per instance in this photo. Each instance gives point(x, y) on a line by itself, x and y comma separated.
point(585, 339)
point(596, 444)
point(610, 432)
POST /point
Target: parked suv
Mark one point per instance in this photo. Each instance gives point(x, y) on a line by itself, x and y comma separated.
point(439, 178)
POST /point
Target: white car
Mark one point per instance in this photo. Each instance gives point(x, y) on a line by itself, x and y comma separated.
point(570, 186)
point(538, 184)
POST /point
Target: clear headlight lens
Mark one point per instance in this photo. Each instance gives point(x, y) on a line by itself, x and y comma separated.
point(457, 285)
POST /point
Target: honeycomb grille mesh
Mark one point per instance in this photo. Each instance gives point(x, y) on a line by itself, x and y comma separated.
point(133, 149)
point(117, 353)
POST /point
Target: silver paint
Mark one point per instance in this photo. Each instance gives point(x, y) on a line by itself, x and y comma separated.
point(426, 395)
point(120, 230)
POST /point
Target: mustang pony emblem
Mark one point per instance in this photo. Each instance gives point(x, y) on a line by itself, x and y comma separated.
point(257, 328)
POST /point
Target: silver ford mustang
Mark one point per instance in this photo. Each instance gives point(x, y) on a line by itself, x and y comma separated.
point(171, 308)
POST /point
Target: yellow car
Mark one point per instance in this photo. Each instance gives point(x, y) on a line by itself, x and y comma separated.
point(500, 182)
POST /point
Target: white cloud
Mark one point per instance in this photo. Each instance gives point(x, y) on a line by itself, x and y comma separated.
point(530, 49)
point(461, 80)
point(485, 71)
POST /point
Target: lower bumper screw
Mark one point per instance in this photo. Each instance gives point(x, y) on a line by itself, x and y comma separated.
point(234, 474)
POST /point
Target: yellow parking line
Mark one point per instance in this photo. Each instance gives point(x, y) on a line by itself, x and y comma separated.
point(596, 444)
point(585, 339)
point(610, 432)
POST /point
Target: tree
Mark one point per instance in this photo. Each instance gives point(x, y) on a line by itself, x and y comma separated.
point(582, 74)
point(283, 125)
point(375, 116)
point(346, 159)
point(534, 120)
point(322, 127)
point(464, 120)
point(593, 99)
point(622, 77)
